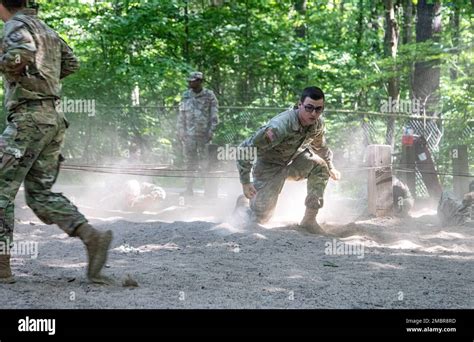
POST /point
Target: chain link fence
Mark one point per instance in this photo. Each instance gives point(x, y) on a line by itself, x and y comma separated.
point(146, 135)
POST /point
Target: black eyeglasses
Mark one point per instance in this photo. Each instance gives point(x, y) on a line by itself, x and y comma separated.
point(311, 108)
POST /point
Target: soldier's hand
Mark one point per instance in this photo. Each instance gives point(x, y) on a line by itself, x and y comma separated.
point(318, 160)
point(249, 190)
point(334, 174)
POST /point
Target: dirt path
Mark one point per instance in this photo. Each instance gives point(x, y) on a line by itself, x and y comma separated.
point(386, 263)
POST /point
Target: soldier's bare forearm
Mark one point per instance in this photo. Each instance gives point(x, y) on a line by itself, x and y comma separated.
point(249, 190)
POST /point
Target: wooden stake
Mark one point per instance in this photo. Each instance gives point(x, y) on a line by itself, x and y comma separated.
point(380, 186)
point(460, 170)
point(408, 164)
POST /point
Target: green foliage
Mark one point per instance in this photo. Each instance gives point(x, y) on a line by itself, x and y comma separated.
point(252, 55)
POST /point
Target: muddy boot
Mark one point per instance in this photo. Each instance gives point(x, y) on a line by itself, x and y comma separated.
point(241, 203)
point(6, 276)
point(309, 222)
point(241, 213)
point(97, 244)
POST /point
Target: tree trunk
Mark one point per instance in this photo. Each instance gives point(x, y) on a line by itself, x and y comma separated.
point(426, 78)
point(301, 59)
point(360, 31)
point(455, 37)
point(186, 32)
point(408, 12)
point(340, 23)
point(391, 47)
point(243, 83)
point(361, 97)
point(427, 74)
point(374, 24)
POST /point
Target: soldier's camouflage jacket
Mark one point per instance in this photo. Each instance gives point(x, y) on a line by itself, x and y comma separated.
point(29, 63)
point(281, 140)
point(198, 116)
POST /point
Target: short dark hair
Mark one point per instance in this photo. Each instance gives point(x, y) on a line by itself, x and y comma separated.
point(314, 93)
point(14, 5)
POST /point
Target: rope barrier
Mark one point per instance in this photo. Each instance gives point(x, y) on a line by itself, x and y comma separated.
point(361, 112)
point(162, 171)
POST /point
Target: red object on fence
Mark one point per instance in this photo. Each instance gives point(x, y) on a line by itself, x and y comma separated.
point(407, 137)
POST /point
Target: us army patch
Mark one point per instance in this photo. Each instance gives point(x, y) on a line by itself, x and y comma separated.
point(16, 36)
point(269, 135)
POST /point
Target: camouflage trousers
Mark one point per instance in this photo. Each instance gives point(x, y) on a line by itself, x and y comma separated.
point(270, 178)
point(30, 153)
point(452, 211)
point(196, 157)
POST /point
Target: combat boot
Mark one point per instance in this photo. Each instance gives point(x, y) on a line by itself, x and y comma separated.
point(241, 202)
point(309, 222)
point(242, 210)
point(97, 244)
point(6, 276)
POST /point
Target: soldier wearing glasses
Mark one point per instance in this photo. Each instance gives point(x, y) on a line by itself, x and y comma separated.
point(291, 146)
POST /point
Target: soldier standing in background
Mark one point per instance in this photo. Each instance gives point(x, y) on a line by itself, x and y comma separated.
point(197, 122)
point(33, 61)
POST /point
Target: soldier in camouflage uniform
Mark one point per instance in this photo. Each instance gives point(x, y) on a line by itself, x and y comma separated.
point(291, 146)
point(33, 60)
point(197, 121)
point(453, 212)
point(132, 195)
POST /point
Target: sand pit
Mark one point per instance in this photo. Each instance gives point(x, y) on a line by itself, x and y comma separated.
point(207, 262)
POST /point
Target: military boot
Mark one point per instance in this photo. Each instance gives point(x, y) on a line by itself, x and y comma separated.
point(97, 244)
point(6, 276)
point(242, 202)
point(242, 210)
point(309, 222)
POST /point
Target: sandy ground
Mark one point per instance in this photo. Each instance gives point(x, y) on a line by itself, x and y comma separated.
point(191, 256)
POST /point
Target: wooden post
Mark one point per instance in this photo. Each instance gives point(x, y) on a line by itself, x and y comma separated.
point(408, 164)
point(211, 185)
point(425, 164)
point(460, 170)
point(380, 186)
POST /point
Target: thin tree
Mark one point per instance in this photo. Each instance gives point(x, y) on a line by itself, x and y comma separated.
point(391, 48)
